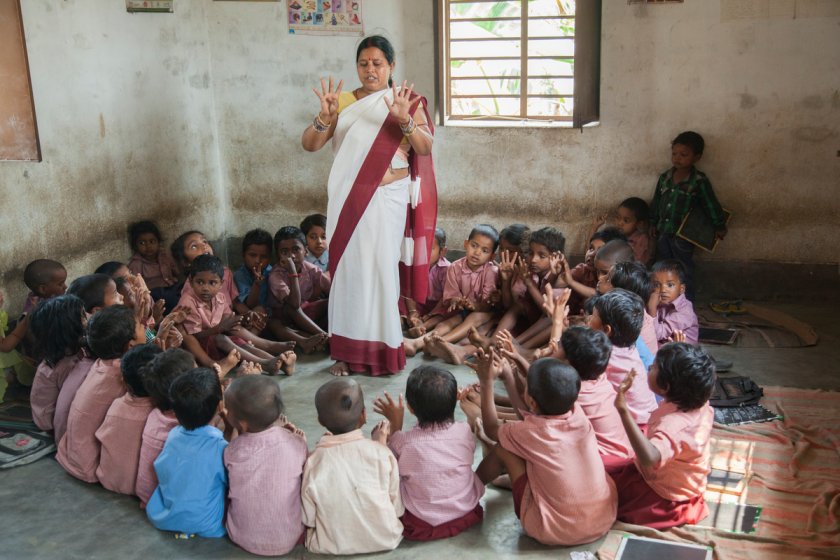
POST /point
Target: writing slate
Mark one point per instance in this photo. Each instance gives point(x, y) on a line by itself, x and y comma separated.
point(698, 230)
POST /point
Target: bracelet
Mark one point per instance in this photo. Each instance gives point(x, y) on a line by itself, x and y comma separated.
point(409, 128)
point(319, 125)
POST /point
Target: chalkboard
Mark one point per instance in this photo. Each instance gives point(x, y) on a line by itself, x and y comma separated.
point(697, 228)
point(18, 129)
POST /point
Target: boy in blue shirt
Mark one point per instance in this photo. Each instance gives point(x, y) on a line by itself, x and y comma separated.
point(192, 480)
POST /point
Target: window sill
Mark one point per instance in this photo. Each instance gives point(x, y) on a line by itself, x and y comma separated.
point(483, 123)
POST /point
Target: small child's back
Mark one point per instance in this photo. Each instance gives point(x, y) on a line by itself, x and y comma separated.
point(640, 399)
point(155, 432)
point(120, 437)
point(596, 398)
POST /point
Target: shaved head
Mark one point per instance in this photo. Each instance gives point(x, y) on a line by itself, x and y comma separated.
point(255, 400)
point(340, 405)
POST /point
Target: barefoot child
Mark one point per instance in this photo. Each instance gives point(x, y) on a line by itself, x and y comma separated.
point(514, 239)
point(351, 484)
point(632, 219)
point(265, 467)
point(664, 486)
point(314, 228)
point(251, 278)
point(672, 310)
point(439, 489)
point(419, 315)
point(583, 278)
point(634, 277)
point(151, 261)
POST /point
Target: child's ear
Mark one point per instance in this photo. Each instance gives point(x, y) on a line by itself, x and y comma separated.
point(607, 330)
point(531, 403)
point(682, 288)
point(466, 244)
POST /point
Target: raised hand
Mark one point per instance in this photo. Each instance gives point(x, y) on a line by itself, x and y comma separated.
point(329, 100)
point(393, 410)
point(620, 399)
point(506, 265)
point(522, 268)
point(488, 366)
point(401, 105)
point(556, 263)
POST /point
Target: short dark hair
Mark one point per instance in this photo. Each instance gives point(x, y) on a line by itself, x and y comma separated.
point(587, 350)
point(137, 229)
point(257, 237)
point(340, 404)
point(615, 251)
point(40, 272)
point(670, 265)
point(432, 393)
point(608, 234)
point(90, 289)
point(256, 399)
point(440, 237)
point(686, 374)
point(638, 206)
point(553, 385)
point(58, 327)
point(195, 397)
point(161, 371)
point(487, 231)
point(624, 312)
point(632, 276)
point(692, 140)
point(313, 220)
point(133, 367)
point(207, 263)
point(109, 268)
point(110, 330)
point(516, 234)
point(289, 232)
point(381, 43)
point(550, 237)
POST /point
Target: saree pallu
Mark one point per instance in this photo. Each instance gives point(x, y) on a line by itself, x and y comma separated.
point(380, 236)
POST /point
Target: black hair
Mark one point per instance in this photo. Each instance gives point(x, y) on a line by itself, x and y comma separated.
point(177, 251)
point(110, 330)
point(383, 45)
point(686, 374)
point(90, 289)
point(550, 237)
point(40, 272)
point(289, 232)
point(432, 393)
point(137, 229)
point(670, 265)
point(487, 231)
point(207, 263)
point(340, 404)
point(608, 234)
point(58, 327)
point(587, 350)
point(195, 397)
point(615, 251)
point(161, 371)
point(440, 237)
point(692, 140)
point(638, 206)
point(313, 220)
point(133, 367)
point(632, 276)
point(257, 237)
point(256, 399)
point(553, 385)
point(589, 304)
point(624, 312)
point(109, 268)
point(516, 234)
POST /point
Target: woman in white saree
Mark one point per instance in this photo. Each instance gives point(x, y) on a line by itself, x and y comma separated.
point(380, 215)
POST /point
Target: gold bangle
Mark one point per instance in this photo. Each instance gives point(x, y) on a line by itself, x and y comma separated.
point(321, 121)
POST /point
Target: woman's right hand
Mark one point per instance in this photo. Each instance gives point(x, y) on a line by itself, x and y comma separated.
point(329, 100)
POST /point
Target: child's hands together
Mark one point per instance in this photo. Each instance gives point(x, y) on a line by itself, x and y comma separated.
point(229, 322)
point(620, 399)
point(381, 432)
point(393, 410)
point(157, 311)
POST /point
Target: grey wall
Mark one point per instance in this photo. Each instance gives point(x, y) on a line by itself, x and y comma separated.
point(194, 119)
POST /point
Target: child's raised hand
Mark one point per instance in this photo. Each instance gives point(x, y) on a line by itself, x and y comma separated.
point(522, 269)
point(488, 366)
point(229, 322)
point(381, 432)
point(289, 264)
point(258, 275)
point(393, 410)
point(677, 336)
point(555, 263)
point(620, 399)
point(286, 425)
point(506, 265)
point(504, 341)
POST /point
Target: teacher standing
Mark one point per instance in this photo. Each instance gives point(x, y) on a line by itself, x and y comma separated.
point(381, 210)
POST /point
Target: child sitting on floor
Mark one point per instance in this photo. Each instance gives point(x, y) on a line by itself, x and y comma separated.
point(98, 291)
point(588, 351)
point(297, 293)
point(514, 239)
point(45, 279)
point(466, 296)
point(420, 319)
point(214, 325)
point(664, 486)
point(351, 484)
point(150, 260)
point(192, 481)
point(634, 277)
point(561, 493)
point(314, 228)
point(251, 278)
point(265, 466)
point(583, 278)
point(121, 432)
point(632, 219)
point(619, 314)
point(439, 489)
point(668, 304)
point(111, 332)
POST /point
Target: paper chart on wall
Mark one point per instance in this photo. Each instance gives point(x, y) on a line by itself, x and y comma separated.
point(325, 17)
point(165, 6)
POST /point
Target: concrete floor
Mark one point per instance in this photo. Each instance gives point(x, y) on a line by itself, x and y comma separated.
point(48, 514)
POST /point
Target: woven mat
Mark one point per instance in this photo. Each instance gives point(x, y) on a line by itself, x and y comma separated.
point(761, 327)
point(795, 478)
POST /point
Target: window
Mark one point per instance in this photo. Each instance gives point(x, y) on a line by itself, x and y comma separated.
point(519, 62)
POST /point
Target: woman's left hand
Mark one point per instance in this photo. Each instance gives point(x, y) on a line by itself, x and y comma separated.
point(399, 109)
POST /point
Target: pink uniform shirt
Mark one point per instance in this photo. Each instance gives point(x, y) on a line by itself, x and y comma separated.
point(45, 390)
point(649, 333)
point(569, 499)
point(158, 273)
point(68, 391)
point(312, 282)
point(437, 278)
point(641, 244)
point(264, 474)
point(476, 286)
point(78, 450)
point(677, 316)
point(640, 399)
point(437, 483)
point(157, 428)
point(682, 439)
point(203, 316)
point(597, 399)
point(120, 436)
point(229, 288)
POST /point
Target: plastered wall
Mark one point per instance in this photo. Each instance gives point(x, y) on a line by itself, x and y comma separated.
point(194, 119)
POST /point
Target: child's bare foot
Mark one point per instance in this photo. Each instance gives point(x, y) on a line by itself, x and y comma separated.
point(340, 369)
point(288, 359)
point(448, 352)
point(324, 341)
point(414, 345)
point(280, 347)
point(479, 339)
point(309, 345)
point(416, 332)
point(250, 368)
point(503, 482)
point(229, 362)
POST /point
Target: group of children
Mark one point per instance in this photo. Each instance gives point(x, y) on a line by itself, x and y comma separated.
point(146, 381)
